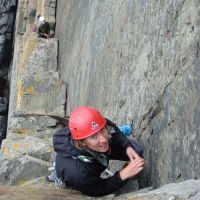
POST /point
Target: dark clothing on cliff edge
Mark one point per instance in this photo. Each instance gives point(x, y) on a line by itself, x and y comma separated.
point(43, 30)
point(85, 175)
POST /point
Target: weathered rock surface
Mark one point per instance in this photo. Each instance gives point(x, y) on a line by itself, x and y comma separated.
point(189, 189)
point(29, 145)
point(3, 117)
point(37, 79)
point(16, 168)
point(41, 190)
point(7, 19)
point(138, 61)
point(37, 90)
point(37, 100)
point(16, 193)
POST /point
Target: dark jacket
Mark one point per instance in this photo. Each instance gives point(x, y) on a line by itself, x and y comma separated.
point(85, 175)
point(43, 29)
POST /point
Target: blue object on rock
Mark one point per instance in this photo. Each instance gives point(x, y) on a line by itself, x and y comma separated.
point(126, 129)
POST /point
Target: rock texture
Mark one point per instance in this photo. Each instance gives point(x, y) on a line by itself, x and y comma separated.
point(3, 117)
point(7, 19)
point(138, 62)
point(37, 99)
point(189, 189)
point(16, 193)
point(39, 190)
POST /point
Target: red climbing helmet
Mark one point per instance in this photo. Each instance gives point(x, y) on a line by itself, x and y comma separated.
point(85, 121)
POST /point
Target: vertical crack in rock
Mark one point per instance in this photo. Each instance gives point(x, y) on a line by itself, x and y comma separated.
point(158, 105)
point(152, 112)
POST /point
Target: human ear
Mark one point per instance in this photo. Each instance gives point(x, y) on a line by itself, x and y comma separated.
point(84, 143)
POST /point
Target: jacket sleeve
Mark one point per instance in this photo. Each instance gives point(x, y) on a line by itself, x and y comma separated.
point(101, 187)
point(119, 143)
point(87, 180)
point(47, 27)
point(85, 177)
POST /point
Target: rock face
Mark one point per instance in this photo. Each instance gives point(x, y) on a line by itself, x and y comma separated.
point(7, 19)
point(138, 62)
point(3, 117)
point(16, 193)
point(41, 191)
point(189, 189)
point(37, 99)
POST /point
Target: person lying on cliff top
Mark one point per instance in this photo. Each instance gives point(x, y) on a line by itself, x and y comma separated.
point(85, 148)
point(43, 28)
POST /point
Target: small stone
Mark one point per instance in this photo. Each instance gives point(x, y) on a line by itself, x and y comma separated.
point(172, 198)
point(52, 5)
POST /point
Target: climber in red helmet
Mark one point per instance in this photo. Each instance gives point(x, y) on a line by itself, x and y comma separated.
point(85, 148)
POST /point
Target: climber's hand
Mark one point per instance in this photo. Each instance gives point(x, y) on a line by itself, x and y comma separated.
point(131, 153)
point(132, 169)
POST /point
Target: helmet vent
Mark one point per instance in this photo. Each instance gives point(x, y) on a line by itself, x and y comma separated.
point(94, 125)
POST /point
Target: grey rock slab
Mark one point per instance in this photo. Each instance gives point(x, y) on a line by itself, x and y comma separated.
point(3, 105)
point(31, 124)
point(2, 39)
point(32, 7)
point(47, 3)
point(52, 5)
point(186, 190)
point(29, 145)
point(3, 121)
point(6, 26)
point(31, 193)
point(138, 62)
point(37, 89)
point(39, 86)
point(31, 188)
point(16, 169)
point(50, 11)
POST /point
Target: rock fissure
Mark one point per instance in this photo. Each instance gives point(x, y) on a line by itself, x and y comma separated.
point(152, 112)
point(155, 109)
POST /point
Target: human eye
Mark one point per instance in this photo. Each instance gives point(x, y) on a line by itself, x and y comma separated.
point(103, 129)
point(93, 137)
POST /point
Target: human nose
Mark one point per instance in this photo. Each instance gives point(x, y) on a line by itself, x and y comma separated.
point(102, 138)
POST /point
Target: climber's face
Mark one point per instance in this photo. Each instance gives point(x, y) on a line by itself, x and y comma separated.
point(99, 141)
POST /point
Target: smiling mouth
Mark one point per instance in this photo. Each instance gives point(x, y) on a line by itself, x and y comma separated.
point(104, 146)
